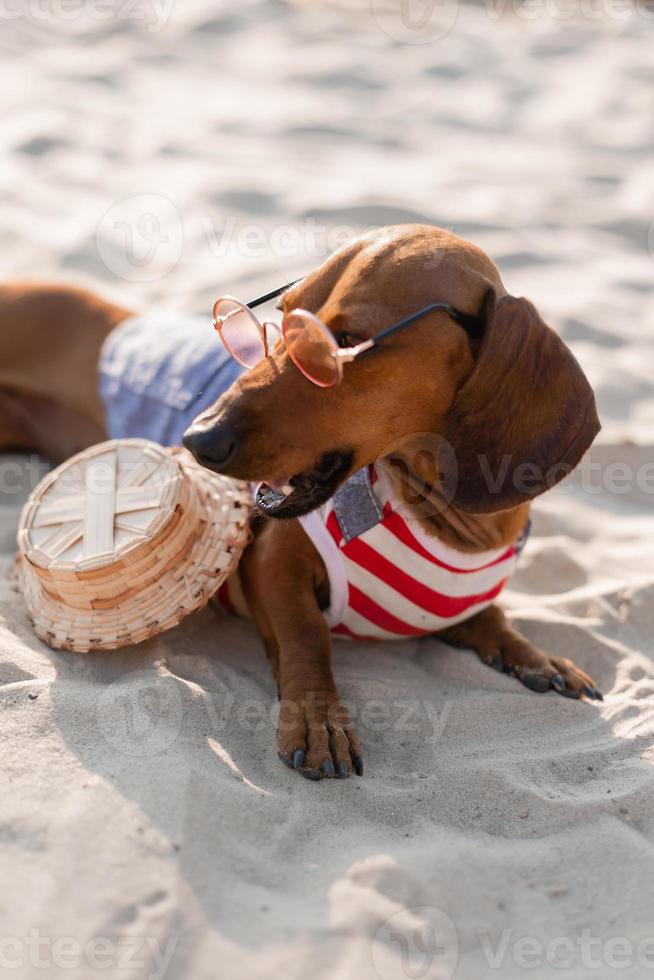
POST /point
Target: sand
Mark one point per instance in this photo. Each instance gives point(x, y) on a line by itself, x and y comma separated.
point(147, 828)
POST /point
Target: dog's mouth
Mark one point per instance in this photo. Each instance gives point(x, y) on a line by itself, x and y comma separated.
point(304, 492)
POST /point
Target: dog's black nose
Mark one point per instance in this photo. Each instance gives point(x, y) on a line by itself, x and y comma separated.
point(212, 445)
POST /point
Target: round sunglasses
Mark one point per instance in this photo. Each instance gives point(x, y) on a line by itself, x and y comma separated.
point(310, 344)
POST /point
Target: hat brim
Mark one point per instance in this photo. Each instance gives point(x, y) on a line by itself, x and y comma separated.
point(221, 536)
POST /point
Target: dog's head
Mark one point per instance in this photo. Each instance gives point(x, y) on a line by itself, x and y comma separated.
point(509, 401)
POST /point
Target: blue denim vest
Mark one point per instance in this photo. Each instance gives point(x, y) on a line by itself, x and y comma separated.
point(157, 372)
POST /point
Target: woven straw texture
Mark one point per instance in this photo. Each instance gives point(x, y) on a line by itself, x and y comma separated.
point(124, 540)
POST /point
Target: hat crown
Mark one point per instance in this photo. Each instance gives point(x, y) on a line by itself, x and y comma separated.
point(100, 506)
point(124, 540)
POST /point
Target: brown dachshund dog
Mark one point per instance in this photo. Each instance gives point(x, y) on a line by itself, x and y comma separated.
point(507, 399)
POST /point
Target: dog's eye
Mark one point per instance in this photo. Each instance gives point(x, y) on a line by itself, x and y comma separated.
point(348, 339)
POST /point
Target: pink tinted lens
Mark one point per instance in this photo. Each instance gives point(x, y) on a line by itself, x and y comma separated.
point(312, 347)
point(240, 331)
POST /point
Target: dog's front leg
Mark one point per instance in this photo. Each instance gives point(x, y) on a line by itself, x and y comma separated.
point(282, 575)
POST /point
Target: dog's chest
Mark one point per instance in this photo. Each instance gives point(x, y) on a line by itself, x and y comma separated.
point(390, 580)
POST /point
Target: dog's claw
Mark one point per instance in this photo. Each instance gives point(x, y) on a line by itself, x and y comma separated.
point(558, 683)
point(286, 759)
point(496, 664)
point(298, 758)
point(328, 769)
point(535, 682)
point(313, 774)
point(343, 771)
point(357, 762)
point(569, 692)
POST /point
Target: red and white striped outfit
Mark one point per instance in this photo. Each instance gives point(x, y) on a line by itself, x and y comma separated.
point(393, 580)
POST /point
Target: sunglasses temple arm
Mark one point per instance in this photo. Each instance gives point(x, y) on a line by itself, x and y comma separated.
point(273, 294)
point(410, 319)
point(470, 323)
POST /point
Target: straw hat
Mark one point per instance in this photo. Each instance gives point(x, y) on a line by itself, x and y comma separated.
point(124, 540)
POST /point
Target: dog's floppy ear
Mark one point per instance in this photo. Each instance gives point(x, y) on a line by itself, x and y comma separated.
point(525, 416)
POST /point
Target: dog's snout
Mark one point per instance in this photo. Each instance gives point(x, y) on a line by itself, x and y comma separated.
point(213, 446)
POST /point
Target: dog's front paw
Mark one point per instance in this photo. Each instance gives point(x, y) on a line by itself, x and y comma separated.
point(540, 673)
point(316, 736)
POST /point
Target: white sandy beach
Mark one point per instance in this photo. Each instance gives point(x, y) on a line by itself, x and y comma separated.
point(143, 811)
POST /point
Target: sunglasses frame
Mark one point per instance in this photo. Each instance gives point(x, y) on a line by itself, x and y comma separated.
point(472, 324)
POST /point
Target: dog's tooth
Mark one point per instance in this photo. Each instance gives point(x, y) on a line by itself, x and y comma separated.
point(287, 489)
